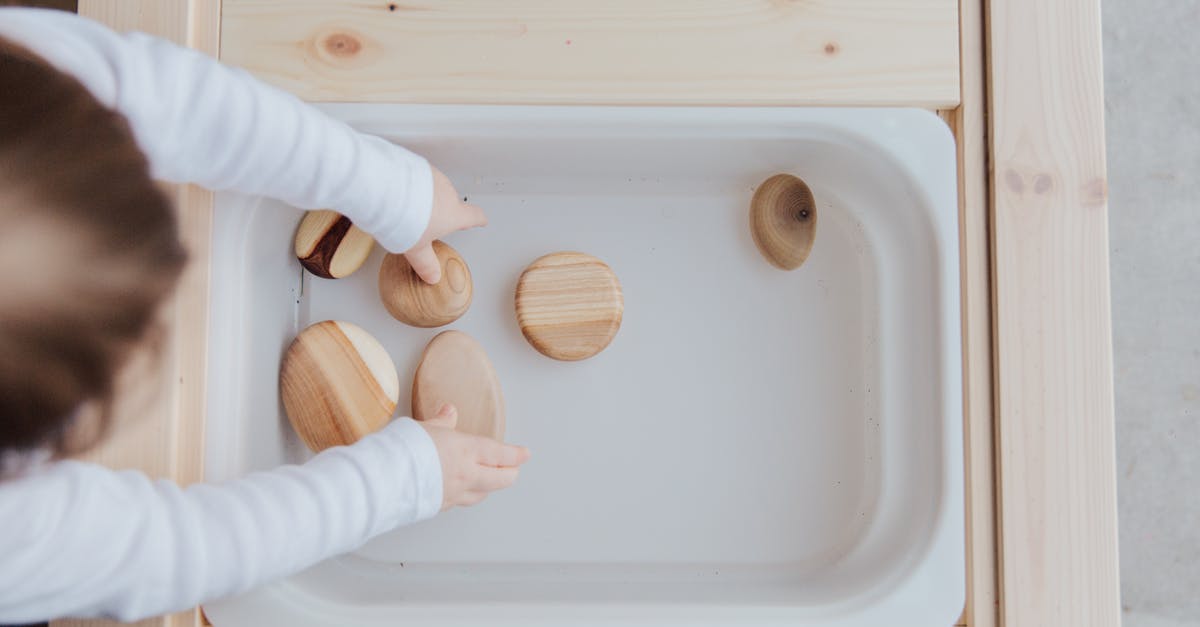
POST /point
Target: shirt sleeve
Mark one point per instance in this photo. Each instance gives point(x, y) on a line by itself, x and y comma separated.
point(201, 122)
point(81, 540)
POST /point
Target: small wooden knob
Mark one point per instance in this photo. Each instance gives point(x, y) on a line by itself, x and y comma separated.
point(330, 246)
point(569, 305)
point(455, 369)
point(338, 384)
point(415, 302)
point(783, 221)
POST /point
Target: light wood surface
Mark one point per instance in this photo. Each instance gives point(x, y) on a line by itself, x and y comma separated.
point(414, 302)
point(615, 51)
point(1057, 481)
point(455, 369)
point(783, 221)
point(569, 305)
point(160, 411)
point(338, 384)
point(970, 130)
point(330, 246)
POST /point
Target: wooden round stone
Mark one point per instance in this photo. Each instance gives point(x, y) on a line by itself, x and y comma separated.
point(783, 221)
point(330, 246)
point(415, 302)
point(455, 369)
point(569, 305)
point(338, 384)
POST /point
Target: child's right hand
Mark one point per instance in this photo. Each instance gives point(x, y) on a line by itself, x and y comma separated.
point(472, 465)
point(449, 214)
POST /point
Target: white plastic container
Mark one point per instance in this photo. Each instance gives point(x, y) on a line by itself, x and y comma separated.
point(754, 447)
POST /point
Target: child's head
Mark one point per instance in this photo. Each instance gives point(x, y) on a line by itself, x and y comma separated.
point(88, 250)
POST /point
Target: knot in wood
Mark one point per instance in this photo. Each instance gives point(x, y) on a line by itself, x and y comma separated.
point(342, 45)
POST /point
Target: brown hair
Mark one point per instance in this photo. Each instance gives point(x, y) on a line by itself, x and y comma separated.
point(88, 251)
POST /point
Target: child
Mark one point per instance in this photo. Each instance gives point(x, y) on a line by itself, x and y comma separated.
point(89, 250)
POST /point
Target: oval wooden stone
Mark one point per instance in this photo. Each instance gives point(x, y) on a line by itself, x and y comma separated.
point(569, 305)
point(338, 384)
point(330, 246)
point(783, 220)
point(415, 302)
point(455, 369)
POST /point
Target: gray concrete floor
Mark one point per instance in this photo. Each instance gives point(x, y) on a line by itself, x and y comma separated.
point(1152, 101)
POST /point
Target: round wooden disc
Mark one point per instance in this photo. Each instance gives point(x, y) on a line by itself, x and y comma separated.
point(415, 302)
point(783, 221)
point(455, 369)
point(338, 384)
point(330, 246)
point(569, 305)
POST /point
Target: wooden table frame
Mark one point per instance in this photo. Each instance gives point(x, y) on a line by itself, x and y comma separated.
point(1041, 505)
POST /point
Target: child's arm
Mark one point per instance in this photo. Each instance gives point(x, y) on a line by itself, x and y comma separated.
point(81, 540)
point(201, 122)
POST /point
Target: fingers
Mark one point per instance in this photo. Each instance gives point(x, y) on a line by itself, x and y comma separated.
point(471, 217)
point(488, 480)
point(425, 263)
point(471, 498)
point(446, 416)
point(465, 499)
point(498, 454)
point(472, 466)
point(449, 214)
point(492, 479)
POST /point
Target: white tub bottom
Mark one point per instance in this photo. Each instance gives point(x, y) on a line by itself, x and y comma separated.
point(755, 445)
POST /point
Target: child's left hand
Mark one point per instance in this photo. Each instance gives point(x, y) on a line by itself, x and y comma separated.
point(472, 466)
point(450, 213)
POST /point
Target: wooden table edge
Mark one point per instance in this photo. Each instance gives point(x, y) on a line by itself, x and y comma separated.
point(1052, 336)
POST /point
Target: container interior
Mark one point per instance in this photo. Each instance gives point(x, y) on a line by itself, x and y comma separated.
point(751, 437)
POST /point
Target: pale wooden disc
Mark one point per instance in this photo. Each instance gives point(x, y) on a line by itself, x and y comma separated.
point(330, 246)
point(338, 384)
point(783, 221)
point(415, 302)
point(569, 305)
point(455, 369)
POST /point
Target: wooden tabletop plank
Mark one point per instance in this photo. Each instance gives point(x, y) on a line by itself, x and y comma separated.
point(970, 131)
point(846, 52)
point(1057, 481)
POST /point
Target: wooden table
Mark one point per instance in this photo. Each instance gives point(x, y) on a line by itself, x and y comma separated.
point(1018, 81)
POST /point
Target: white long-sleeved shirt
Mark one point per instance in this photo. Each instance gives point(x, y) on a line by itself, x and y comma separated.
point(78, 539)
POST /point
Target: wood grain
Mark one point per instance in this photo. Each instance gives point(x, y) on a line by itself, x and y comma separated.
point(338, 384)
point(414, 302)
point(900, 52)
point(161, 399)
point(970, 131)
point(330, 246)
point(569, 305)
point(455, 369)
point(1057, 481)
point(783, 221)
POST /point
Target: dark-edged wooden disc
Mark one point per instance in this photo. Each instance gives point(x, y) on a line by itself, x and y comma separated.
point(330, 246)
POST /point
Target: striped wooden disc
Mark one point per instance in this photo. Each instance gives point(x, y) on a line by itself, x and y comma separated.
point(338, 384)
point(569, 305)
point(330, 246)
